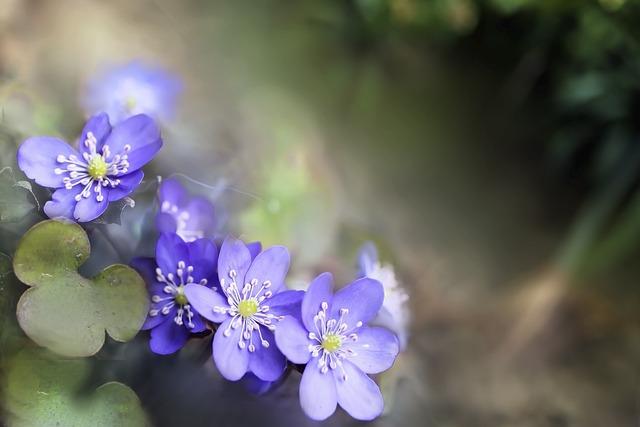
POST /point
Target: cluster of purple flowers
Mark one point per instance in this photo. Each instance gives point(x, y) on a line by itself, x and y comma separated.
point(197, 283)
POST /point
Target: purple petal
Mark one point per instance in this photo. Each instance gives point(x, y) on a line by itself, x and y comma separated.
point(254, 249)
point(292, 340)
point(320, 290)
point(318, 396)
point(203, 299)
point(128, 183)
point(201, 216)
point(367, 258)
point(286, 303)
point(88, 208)
point(204, 259)
point(271, 265)
point(358, 394)
point(100, 127)
point(266, 362)
point(375, 350)
point(37, 158)
point(255, 385)
point(170, 250)
point(173, 192)
point(166, 223)
point(231, 360)
point(235, 256)
point(168, 337)
point(62, 203)
point(363, 298)
point(153, 321)
point(198, 324)
point(141, 134)
point(146, 267)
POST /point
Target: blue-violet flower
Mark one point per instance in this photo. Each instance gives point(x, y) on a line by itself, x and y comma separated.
point(250, 302)
point(177, 264)
point(339, 349)
point(133, 88)
point(190, 217)
point(105, 168)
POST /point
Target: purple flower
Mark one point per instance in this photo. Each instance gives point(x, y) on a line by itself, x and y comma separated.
point(134, 88)
point(190, 217)
point(339, 349)
point(105, 168)
point(252, 299)
point(177, 264)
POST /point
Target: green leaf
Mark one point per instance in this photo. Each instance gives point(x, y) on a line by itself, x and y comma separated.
point(44, 391)
point(64, 311)
point(16, 197)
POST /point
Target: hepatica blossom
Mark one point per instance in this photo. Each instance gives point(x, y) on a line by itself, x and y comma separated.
point(190, 217)
point(394, 313)
point(178, 264)
point(339, 349)
point(106, 166)
point(134, 88)
point(251, 301)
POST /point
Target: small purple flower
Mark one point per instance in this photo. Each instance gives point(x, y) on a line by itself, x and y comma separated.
point(177, 264)
point(252, 299)
point(134, 88)
point(190, 217)
point(105, 168)
point(339, 349)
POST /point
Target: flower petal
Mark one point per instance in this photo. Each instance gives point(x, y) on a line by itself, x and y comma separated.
point(367, 258)
point(170, 250)
point(292, 340)
point(198, 324)
point(268, 363)
point(254, 249)
point(286, 303)
point(166, 223)
point(320, 290)
point(358, 394)
point(172, 192)
point(128, 183)
point(203, 299)
point(141, 134)
point(146, 267)
point(375, 350)
point(270, 265)
point(235, 256)
point(204, 259)
point(62, 203)
point(168, 337)
point(100, 127)
point(37, 158)
point(363, 298)
point(201, 216)
point(88, 208)
point(231, 360)
point(318, 396)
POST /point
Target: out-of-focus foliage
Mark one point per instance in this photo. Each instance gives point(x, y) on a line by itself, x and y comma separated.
point(63, 310)
point(44, 391)
point(16, 197)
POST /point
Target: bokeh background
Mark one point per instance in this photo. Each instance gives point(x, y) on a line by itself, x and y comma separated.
point(491, 148)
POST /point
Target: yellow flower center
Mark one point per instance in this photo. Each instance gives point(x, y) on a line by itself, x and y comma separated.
point(130, 103)
point(331, 343)
point(181, 298)
point(248, 307)
point(97, 167)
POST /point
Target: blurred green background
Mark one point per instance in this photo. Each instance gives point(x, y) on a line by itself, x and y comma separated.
point(490, 147)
